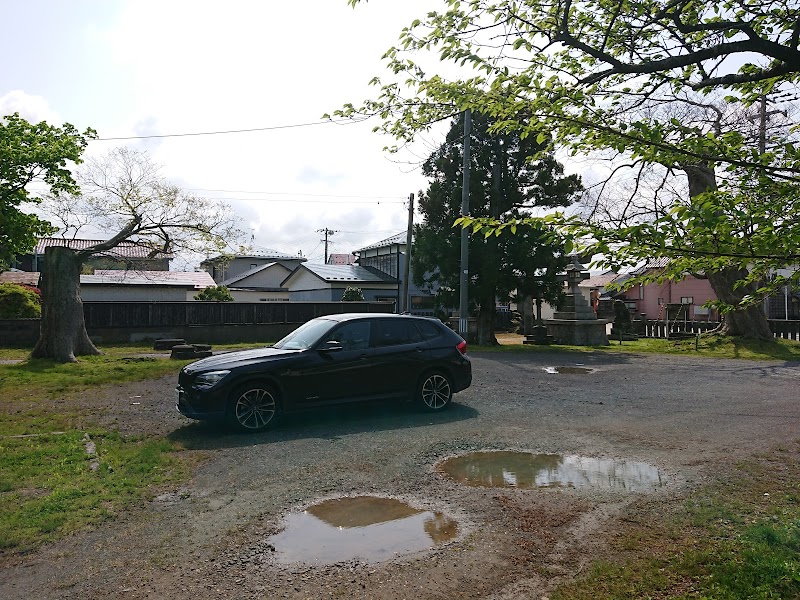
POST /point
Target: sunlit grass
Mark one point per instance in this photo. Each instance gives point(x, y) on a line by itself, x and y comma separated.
point(711, 346)
point(738, 538)
point(48, 489)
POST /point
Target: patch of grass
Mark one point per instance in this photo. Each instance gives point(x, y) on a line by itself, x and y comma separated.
point(707, 346)
point(739, 538)
point(26, 385)
point(47, 488)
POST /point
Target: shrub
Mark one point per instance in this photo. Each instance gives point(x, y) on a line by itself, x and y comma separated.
point(19, 302)
point(353, 294)
point(214, 293)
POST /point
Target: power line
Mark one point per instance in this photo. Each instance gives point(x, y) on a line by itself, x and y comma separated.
point(299, 201)
point(229, 131)
point(295, 194)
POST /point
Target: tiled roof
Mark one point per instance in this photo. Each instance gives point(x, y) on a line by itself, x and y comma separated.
point(193, 279)
point(398, 238)
point(128, 249)
point(257, 253)
point(349, 273)
point(26, 277)
point(653, 263)
point(598, 280)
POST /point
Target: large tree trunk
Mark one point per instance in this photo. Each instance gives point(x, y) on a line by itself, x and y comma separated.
point(486, 335)
point(62, 334)
point(749, 322)
point(490, 256)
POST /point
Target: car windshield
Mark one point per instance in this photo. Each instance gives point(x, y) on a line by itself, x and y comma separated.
point(306, 335)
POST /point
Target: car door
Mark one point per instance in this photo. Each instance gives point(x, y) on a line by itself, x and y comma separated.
point(339, 375)
point(399, 354)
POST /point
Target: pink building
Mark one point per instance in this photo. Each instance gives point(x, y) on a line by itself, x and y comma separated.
point(681, 300)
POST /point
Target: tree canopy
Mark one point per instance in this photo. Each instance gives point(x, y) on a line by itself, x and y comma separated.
point(30, 154)
point(647, 84)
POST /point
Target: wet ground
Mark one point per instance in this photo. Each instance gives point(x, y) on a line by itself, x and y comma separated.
point(578, 455)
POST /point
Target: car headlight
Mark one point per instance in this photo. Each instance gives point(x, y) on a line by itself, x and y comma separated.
point(210, 378)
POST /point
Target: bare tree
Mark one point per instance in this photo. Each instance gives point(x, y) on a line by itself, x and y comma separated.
point(122, 193)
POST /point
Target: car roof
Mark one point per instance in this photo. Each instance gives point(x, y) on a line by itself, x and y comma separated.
point(354, 316)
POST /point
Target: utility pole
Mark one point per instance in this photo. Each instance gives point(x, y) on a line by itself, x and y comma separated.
point(327, 232)
point(463, 311)
point(407, 267)
point(763, 116)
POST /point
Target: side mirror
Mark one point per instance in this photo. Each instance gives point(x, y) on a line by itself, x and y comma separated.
point(331, 346)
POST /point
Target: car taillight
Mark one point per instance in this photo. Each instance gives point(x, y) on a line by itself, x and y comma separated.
point(462, 347)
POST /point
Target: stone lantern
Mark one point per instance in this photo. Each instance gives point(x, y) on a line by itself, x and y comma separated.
point(575, 323)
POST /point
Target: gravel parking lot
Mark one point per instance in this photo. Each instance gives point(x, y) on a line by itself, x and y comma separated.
point(691, 418)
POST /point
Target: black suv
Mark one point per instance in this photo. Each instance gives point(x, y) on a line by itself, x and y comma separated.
point(329, 360)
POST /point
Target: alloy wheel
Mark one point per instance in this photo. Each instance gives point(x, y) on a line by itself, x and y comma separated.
point(436, 391)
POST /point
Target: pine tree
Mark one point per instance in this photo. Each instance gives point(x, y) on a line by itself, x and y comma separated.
point(508, 177)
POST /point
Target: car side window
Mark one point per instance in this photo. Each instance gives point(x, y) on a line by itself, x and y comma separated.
point(429, 331)
point(394, 332)
point(352, 336)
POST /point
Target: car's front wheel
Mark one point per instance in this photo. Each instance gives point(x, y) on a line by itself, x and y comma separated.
point(253, 407)
point(435, 391)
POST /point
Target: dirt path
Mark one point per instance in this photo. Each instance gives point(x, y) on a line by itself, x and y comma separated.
point(691, 418)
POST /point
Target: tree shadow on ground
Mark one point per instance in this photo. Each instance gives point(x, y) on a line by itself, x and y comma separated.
point(326, 423)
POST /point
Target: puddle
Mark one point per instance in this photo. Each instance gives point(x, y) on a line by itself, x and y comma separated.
point(568, 370)
point(367, 528)
point(525, 470)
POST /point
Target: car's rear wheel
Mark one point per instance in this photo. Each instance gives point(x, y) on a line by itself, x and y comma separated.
point(435, 391)
point(253, 407)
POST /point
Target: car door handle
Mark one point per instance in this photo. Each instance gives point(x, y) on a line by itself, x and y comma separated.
point(418, 349)
point(362, 357)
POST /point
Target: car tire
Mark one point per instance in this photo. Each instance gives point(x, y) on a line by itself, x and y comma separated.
point(253, 407)
point(434, 391)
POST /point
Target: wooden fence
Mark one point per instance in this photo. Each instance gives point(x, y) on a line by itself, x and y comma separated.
point(787, 330)
point(179, 314)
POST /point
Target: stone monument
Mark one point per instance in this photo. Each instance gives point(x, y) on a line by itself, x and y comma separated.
point(539, 333)
point(575, 322)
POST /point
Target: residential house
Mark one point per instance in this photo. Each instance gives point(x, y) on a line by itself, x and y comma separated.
point(389, 256)
point(672, 300)
point(127, 286)
point(327, 283)
point(342, 259)
point(597, 293)
point(786, 304)
point(224, 268)
point(260, 284)
point(126, 255)
point(20, 277)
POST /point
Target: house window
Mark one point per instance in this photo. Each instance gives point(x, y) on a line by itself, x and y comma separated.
point(630, 305)
point(661, 302)
point(641, 292)
point(687, 299)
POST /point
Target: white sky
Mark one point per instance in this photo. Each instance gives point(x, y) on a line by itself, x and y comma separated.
point(145, 67)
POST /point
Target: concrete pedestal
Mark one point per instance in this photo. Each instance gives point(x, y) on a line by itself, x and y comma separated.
point(539, 337)
point(578, 332)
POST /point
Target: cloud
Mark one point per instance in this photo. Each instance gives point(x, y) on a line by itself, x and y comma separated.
point(33, 109)
point(309, 174)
